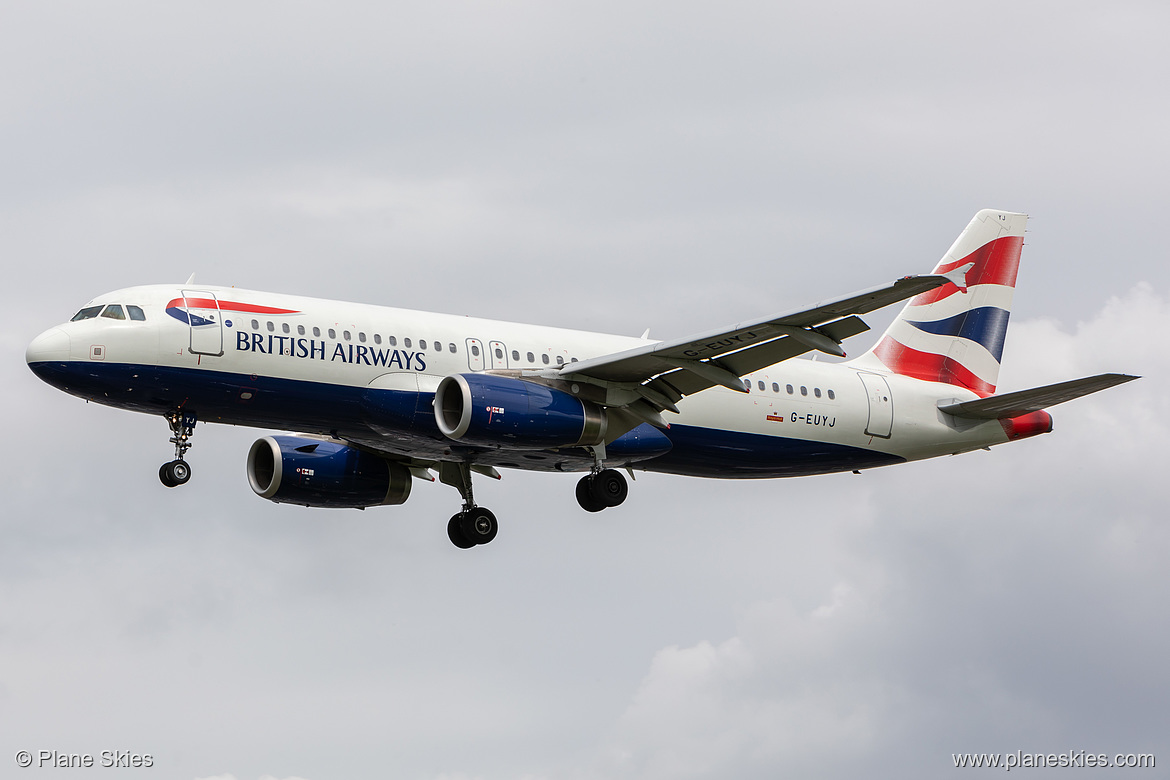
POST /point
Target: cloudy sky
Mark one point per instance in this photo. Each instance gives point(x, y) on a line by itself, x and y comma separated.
point(614, 167)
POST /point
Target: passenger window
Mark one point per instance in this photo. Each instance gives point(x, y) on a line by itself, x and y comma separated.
point(572, 360)
point(544, 358)
point(817, 392)
point(114, 312)
point(392, 341)
point(377, 338)
point(406, 343)
point(499, 354)
point(345, 334)
point(474, 350)
point(560, 360)
point(422, 343)
point(316, 331)
point(452, 348)
point(135, 313)
point(88, 313)
point(300, 330)
point(515, 355)
point(803, 390)
point(332, 333)
point(761, 385)
point(788, 388)
point(361, 337)
point(271, 327)
point(255, 325)
point(531, 358)
point(832, 395)
point(284, 327)
point(775, 388)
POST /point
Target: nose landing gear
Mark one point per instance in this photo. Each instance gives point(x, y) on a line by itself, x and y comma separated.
point(178, 471)
point(175, 473)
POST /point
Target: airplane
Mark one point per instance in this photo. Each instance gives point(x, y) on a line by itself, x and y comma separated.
point(383, 397)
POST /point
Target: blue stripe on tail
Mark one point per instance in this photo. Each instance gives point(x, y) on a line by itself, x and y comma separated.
point(986, 326)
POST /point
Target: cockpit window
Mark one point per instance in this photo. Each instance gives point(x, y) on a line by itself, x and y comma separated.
point(114, 312)
point(88, 313)
point(135, 313)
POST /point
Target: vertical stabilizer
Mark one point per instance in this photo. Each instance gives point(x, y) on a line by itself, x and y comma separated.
point(955, 334)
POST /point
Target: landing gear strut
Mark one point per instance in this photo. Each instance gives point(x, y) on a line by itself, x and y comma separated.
point(474, 525)
point(178, 471)
point(601, 490)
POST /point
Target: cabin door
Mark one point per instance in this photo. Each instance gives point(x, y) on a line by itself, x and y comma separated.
point(881, 405)
point(204, 322)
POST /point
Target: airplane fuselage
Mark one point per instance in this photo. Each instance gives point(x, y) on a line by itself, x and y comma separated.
point(380, 398)
point(368, 374)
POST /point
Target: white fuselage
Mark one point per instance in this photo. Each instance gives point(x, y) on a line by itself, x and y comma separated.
point(280, 361)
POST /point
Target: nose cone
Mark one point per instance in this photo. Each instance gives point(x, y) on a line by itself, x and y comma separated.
point(52, 345)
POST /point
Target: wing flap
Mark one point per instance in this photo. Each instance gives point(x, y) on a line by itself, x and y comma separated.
point(1008, 405)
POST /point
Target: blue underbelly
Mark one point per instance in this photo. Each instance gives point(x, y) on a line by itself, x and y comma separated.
point(710, 452)
point(403, 423)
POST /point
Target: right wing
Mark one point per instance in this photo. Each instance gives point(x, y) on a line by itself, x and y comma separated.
point(661, 374)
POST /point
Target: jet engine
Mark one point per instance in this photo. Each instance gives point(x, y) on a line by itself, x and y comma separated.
point(498, 411)
point(311, 472)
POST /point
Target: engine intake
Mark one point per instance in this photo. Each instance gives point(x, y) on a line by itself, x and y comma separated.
point(498, 411)
point(295, 470)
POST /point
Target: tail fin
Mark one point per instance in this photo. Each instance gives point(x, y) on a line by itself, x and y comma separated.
point(955, 334)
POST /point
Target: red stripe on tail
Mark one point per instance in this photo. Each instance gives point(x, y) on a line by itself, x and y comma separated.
point(924, 365)
point(996, 262)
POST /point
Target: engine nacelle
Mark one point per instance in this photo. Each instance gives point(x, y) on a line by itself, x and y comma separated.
point(310, 472)
point(498, 411)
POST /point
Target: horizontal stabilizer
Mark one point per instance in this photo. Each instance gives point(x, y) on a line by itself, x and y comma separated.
point(1008, 405)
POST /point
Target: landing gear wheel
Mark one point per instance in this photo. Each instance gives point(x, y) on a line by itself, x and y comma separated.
point(175, 473)
point(455, 533)
point(180, 471)
point(478, 525)
point(609, 487)
point(585, 495)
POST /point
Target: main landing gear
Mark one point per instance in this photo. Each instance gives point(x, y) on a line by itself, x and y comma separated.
point(601, 490)
point(178, 471)
point(475, 525)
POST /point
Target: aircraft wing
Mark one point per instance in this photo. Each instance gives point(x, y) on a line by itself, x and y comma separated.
point(1008, 405)
point(663, 373)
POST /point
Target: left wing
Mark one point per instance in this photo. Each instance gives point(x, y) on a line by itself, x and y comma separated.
point(663, 373)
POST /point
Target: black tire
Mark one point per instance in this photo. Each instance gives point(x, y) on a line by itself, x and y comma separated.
point(479, 525)
point(585, 495)
point(455, 533)
point(164, 475)
point(609, 488)
point(179, 471)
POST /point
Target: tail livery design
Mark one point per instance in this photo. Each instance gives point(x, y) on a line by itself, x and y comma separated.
point(954, 334)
